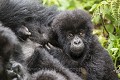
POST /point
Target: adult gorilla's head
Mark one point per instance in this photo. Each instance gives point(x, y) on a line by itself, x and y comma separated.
point(73, 29)
point(27, 18)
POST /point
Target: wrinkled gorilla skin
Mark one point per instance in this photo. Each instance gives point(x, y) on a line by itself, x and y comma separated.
point(7, 42)
point(79, 47)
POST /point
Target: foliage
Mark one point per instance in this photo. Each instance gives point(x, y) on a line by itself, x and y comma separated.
point(107, 13)
point(71, 4)
point(105, 16)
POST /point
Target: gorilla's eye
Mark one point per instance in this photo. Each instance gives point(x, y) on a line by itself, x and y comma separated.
point(70, 35)
point(82, 32)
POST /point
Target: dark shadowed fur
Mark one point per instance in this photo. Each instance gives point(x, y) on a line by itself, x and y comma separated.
point(7, 42)
point(93, 57)
point(48, 67)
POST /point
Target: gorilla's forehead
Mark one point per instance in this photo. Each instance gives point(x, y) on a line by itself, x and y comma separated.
point(73, 24)
point(75, 19)
point(72, 29)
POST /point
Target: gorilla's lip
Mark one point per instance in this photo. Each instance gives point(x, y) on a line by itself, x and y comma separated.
point(76, 51)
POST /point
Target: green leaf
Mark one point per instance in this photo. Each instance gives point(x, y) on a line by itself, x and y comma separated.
point(112, 37)
point(93, 7)
point(104, 2)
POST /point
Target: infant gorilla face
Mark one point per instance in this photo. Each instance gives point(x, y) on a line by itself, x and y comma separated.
point(76, 43)
point(73, 29)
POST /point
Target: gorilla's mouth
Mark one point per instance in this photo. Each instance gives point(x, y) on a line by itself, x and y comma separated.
point(77, 50)
point(76, 54)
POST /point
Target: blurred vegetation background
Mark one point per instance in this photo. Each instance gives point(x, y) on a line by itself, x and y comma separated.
point(106, 18)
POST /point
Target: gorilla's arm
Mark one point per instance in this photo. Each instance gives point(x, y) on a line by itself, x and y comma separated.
point(61, 56)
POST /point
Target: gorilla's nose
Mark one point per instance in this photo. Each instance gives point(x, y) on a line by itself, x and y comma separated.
point(76, 42)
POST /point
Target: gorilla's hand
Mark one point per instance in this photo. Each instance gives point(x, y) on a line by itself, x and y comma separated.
point(50, 47)
point(53, 50)
point(16, 71)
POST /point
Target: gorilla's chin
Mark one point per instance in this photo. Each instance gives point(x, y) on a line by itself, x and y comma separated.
point(76, 53)
point(76, 50)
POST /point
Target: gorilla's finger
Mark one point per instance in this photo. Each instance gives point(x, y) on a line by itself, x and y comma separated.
point(51, 46)
point(47, 47)
point(11, 73)
point(27, 32)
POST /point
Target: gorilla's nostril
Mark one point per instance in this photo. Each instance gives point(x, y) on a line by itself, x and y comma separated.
point(76, 42)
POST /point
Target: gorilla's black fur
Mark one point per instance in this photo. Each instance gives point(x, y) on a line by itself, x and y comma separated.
point(48, 66)
point(37, 18)
point(41, 65)
point(28, 19)
point(79, 47)
point(8, 41)
point(20, 15)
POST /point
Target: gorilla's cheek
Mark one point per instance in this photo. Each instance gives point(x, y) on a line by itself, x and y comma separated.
point(77, 46)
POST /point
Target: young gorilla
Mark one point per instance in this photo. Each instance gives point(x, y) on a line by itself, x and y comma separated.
point(79, 47)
